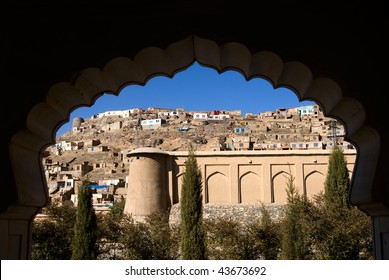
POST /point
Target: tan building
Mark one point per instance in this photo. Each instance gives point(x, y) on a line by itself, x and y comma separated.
point(239, 142)
point(229, 177)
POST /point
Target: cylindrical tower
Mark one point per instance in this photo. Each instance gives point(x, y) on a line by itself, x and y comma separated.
point(147, 188)
point(77, 121)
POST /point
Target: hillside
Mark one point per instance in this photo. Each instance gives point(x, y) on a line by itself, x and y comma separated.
point(103, 141)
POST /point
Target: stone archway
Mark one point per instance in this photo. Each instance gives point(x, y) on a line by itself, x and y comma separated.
point(27, 145)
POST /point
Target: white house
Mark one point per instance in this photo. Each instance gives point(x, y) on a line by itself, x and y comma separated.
point(151, 124)
point(219, 117)
point(306, 110)
point(201, 116)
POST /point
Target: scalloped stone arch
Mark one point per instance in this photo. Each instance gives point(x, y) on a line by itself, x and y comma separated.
point(62, 98)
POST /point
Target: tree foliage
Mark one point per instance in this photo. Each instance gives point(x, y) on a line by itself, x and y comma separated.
point(266, 235)
point(152, 239)
point(85, 228)
point(109, 232)
point(295, 241)
point(224, 239)
point(164, 237)
point(337, 182)
point(52, 236)
point(341, 231)
point(192, 229)
point(136, 240)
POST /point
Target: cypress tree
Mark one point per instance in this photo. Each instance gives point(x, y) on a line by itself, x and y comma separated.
point(343, 231)
point(85, 228)
point(192, 229)
point(294, 236)
point(337, 182)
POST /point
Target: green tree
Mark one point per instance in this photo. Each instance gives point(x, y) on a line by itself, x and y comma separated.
point(295, 240)
point(266, 235)
point(192, 229)
point(164, 238)
point(85, 228)
point(52, 235)
point(110, 231)
point(151, 239)
point(337, 182)
point(341, 231)
point(136, 239)
point(224, 239)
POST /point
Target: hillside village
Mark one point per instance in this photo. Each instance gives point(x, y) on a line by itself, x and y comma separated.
point(97, 148)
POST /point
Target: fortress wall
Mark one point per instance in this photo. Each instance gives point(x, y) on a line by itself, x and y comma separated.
point(232, 179)
point(251, 177)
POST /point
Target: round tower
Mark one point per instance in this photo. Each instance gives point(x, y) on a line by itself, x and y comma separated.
point(77, 122)
point(147, 188)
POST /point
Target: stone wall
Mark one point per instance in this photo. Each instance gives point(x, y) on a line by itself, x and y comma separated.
point(238, 212)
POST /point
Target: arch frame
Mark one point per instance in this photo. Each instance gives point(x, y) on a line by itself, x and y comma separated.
point(27, 145)
point(91, 83)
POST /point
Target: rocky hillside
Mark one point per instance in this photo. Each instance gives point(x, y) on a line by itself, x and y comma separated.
point(168, 137)
point(130, 136)
point(103, 141)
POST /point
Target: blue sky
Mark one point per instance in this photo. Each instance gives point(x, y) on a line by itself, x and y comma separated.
point(196, 89)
